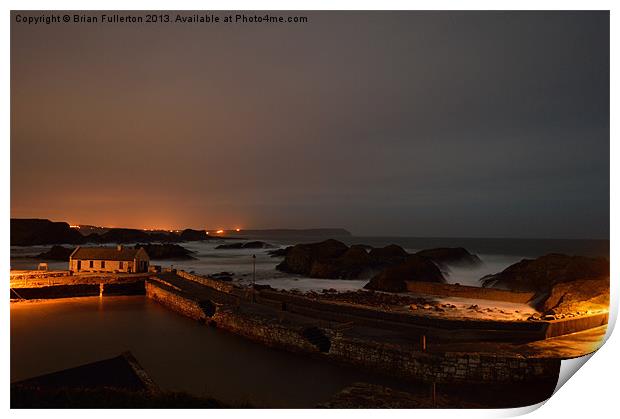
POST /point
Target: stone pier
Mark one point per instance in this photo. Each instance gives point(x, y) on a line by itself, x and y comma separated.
point(394, 351)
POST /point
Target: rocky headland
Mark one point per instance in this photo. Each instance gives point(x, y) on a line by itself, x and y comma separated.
point(32, 231)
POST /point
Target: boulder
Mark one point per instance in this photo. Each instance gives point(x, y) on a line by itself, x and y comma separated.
point(299, 258)
point(388, 255)
point(166, 251)
point(333, 259)
point(351, 264)
point(576, 296)
point(413, 268)
point(57, 253)
point(444, 256)
point(541, 274)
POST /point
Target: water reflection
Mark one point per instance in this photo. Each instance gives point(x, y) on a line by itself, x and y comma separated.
point(179, 353)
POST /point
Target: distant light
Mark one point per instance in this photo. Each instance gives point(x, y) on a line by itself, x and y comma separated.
point(219, 231)
point(74, 226)
point(237, 230)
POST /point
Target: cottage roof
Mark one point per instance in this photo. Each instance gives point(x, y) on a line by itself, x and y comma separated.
point(105, 253)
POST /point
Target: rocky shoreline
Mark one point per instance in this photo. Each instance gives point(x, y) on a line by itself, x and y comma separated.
point(562, 285)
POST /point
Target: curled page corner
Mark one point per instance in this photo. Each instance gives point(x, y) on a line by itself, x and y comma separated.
point(569, 367)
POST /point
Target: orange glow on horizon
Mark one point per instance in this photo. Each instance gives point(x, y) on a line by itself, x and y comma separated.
point(156, 227)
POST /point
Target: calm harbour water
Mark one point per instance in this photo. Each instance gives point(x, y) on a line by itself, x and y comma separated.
point(178, 353)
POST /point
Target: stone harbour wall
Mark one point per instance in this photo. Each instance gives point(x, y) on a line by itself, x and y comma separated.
point(395, 360)
point(571, 325)
point(211, 283)
point(262, 331)
point(174, 300)
point(447, 367)
point(455, 329)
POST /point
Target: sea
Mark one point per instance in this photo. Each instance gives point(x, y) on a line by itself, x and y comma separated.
point(496, 255)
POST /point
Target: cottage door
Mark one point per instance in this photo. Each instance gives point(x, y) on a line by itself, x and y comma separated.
point(79, 265)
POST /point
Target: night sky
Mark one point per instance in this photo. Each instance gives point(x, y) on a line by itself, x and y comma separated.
point(468, 124)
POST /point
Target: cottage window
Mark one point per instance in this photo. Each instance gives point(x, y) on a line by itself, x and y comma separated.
point(102, 264)
point(121, 265)
point(92, 264)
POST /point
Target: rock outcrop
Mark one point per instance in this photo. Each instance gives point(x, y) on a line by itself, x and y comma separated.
point(32, 231)
point(279, 253)
point(388, 255)
point(563, 284)
point(350, 265)
point(57, 253)
point(576, 296)
point(166, 251)
point(300, 258)
point(456, 256)
point(413, 268)
point(388, 268)
point(543, 273)
point(334, 259)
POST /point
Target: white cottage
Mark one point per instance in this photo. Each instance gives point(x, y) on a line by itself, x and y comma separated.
point(109, 259)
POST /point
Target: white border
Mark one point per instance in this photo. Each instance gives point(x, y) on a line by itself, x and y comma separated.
point(591, 394)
